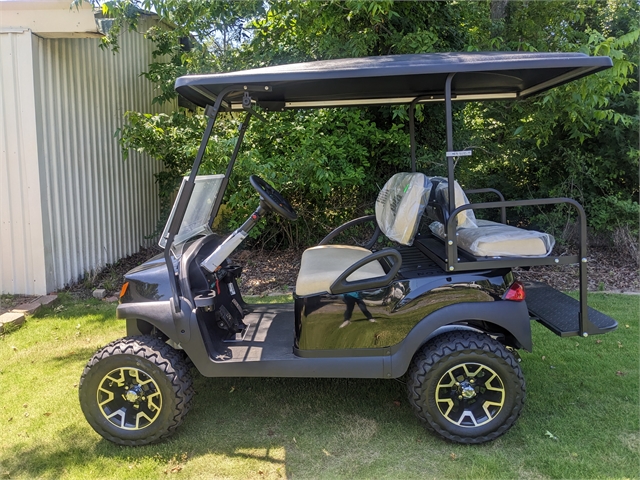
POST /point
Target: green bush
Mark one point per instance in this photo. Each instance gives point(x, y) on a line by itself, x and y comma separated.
point(578, 140)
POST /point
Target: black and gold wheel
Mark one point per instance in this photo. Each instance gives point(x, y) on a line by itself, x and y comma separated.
point(466, 386)
point(136, 390)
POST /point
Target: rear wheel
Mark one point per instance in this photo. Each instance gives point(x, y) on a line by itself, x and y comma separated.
point(136, 390)
point(466, 386)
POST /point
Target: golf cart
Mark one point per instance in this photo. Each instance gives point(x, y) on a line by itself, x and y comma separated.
point(441, 306)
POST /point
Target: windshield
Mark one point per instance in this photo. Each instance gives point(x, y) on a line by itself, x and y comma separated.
point(197, 218)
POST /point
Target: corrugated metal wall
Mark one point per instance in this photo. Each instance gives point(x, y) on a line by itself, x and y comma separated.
point(22, 253)
point(95, 207)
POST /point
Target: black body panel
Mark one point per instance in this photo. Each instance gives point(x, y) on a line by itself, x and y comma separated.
point(383, 317)
point(266, 349)
point(148, 282)
point(282, 342)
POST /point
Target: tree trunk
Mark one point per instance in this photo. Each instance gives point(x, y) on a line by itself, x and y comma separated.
point(498, 9)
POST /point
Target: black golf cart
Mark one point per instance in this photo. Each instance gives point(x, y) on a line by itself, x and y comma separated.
point(441, 306)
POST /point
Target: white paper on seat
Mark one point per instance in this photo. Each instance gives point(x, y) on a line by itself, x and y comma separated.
point(491, 239)
point(400, 206)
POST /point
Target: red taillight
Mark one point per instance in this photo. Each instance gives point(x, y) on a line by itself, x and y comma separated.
point(515, 293)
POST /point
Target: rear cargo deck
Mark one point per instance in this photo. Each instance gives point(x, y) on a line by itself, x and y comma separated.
point(560, 313)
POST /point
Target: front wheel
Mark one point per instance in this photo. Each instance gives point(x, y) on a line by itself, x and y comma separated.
point(466, 386)
point(136, 390)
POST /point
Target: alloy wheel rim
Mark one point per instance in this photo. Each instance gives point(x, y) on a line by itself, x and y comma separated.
point(470, 395)
point(129, 398)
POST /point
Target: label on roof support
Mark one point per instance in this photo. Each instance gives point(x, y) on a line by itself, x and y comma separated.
point(461, 153)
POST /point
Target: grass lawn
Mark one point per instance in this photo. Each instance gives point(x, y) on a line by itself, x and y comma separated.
point(584, 392)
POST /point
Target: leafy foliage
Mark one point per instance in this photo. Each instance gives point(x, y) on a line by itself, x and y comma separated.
point(578, 140)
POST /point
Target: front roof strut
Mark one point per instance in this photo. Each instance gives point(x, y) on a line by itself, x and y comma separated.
point(185, 194)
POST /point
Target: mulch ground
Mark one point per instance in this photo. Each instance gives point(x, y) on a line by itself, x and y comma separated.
point(607, 269)
point(270, 272)
point(266, 272)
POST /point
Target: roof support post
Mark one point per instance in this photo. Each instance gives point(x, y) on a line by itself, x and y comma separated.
point(449, 126)
point(412, 133)
point(181, 209)
point(412, 125)
point(452, 252)
point(223, 188)
point(185, 196)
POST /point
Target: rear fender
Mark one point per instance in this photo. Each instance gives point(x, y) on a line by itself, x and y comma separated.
point(510, 317)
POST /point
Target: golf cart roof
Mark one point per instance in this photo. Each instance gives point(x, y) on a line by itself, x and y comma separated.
point(393, 79)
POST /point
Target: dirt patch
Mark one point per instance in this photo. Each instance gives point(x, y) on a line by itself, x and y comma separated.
point(111, 277)
point(9, 302)
point(607, 271)
point(267, 272)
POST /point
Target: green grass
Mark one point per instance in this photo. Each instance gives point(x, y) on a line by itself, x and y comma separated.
point(284, 298)
point(583, 391)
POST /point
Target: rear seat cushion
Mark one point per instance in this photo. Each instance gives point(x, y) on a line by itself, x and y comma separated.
point(440, 197)
point(491, 239)
point(321, 266)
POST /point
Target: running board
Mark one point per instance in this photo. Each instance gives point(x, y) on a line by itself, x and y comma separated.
point(560, 313)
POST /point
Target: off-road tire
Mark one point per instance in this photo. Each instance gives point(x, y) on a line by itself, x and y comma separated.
point(442, 353)
point(167, 367)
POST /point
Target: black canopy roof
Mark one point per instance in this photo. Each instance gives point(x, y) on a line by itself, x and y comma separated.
point(395, 79)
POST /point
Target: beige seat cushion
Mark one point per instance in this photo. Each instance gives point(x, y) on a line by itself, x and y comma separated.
point(491, 239)
point(466, 218)
point(321, 266)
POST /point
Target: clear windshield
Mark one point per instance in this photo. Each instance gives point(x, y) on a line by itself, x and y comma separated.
point(198, 214)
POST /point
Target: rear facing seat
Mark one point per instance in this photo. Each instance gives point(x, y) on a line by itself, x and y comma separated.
point(483, 238)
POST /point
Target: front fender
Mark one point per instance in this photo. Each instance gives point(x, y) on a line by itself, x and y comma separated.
point(510, 316)
point(157, 314)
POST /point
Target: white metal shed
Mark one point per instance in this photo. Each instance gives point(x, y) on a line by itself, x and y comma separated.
point(69, 203)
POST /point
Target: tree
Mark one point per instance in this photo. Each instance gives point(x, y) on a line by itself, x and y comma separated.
point(528, 148)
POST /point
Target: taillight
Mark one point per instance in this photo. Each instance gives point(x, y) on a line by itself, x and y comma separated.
point(515, 293)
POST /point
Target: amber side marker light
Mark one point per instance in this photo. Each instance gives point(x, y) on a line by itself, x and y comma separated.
point(123, 290)
point(515, 293)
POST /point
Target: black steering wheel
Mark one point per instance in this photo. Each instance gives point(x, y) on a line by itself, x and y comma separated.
point(274, 200)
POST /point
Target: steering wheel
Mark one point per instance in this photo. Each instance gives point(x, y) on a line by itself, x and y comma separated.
point(274, 200)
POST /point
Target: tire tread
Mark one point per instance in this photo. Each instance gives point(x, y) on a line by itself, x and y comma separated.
point(170, 361)
point(453, 344)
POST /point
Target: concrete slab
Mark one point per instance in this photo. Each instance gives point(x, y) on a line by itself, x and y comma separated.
point(11, 320)
point(48, 300)
point(99, 293)
point(32, 307)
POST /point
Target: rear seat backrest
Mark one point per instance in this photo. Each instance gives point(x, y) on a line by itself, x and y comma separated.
point(400, 206)
point(438, 203)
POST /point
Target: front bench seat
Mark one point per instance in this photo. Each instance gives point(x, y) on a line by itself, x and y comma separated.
point(399, 207)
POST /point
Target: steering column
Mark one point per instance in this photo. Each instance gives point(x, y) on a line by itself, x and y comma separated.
point(270, 199)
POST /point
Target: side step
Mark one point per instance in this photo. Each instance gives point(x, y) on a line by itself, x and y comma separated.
point(560, 313)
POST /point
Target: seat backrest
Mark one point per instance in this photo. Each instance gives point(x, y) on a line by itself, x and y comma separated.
point(438, 203)
point(400, 206)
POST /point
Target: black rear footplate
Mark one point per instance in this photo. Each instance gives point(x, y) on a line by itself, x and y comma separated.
point(560, 313)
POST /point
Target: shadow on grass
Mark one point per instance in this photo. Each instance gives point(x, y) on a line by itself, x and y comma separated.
point(237, 419)
point(71, 453)
point(82, 354)
point(584, 391)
